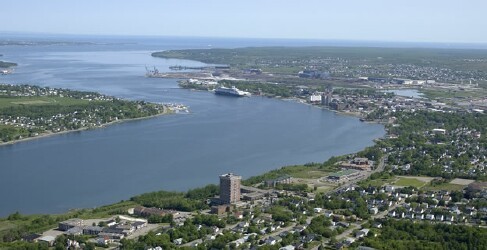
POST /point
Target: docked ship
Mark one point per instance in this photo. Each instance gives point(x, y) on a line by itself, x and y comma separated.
point(231, 91)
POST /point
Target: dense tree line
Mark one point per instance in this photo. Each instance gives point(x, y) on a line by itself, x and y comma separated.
point(320, 225)
point(194, 199)
point(404, 234)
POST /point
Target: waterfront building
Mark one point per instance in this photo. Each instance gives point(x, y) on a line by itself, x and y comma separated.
point(229, 188)
point(286, 179)
point(68, 224)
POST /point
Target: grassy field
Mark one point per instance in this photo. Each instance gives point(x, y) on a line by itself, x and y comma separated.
point(417, 182)
point(6, 225)
point(377, 182)
point(39, 100)
point(444, 186)
point(310, 174)
point(323, 189)
point(410, 182)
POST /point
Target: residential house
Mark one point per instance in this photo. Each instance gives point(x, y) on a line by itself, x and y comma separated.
point(362, 233)
point(449, 218)
point(238, 242)
point(377, 225)
point(328, 214)
point(272, 240)
point(178, 241)
point(373, 210)
point(288, 247)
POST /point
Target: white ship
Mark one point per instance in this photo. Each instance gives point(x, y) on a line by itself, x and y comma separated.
point(231, 91)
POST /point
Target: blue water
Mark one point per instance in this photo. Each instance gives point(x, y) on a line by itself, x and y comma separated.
point(247, 136)
point(413, 93)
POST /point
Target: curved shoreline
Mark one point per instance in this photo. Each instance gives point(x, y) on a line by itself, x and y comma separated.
point(49, 134)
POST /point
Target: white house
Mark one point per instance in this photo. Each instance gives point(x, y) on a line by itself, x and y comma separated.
point(373, 210)
point(328, 214)
point(178, 241)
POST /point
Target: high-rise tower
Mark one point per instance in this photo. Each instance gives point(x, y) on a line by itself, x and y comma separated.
point(230, 188)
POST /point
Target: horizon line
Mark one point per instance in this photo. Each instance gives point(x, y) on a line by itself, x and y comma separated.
point(238, 37)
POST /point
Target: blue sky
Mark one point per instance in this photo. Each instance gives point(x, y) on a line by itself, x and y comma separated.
point(377, 20)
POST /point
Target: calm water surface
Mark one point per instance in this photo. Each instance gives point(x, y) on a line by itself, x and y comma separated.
point(247, 136)
point(413, 93)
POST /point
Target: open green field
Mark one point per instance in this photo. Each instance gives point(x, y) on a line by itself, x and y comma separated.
point(39, 100)
point(410, 182)
point(6, 225)
point(377, 182)
point(444, 186)
point(310, 174)
point(406, 181)
point(323, 189)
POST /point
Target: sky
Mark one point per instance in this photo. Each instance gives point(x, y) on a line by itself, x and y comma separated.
point(462, 21)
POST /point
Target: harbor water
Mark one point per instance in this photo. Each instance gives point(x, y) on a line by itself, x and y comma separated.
point(221, 134)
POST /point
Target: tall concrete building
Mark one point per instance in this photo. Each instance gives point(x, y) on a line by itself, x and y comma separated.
point(230, 188)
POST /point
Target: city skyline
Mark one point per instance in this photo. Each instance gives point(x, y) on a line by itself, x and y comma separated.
point(413, 21)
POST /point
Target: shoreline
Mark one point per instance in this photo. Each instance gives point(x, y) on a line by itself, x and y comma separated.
point(296, 100)
point(301, 101)
point(49, 134)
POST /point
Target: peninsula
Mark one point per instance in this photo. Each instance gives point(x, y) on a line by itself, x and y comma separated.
point(7, 64)
point(30, 111)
